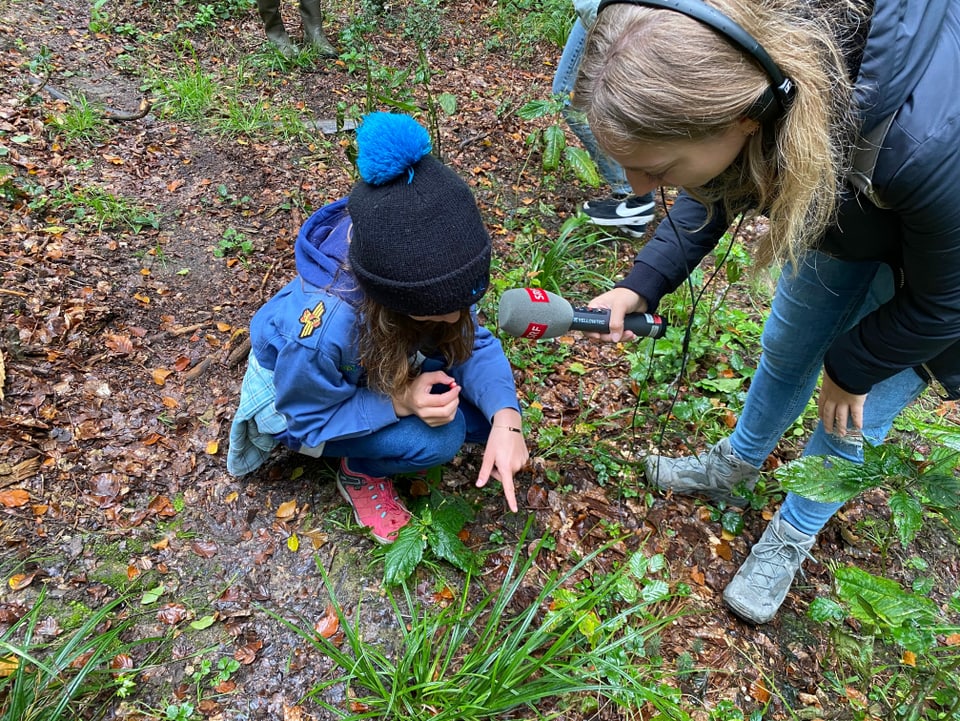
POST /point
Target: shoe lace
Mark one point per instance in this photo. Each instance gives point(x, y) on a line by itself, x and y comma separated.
point(774, 552)
point(390, 509)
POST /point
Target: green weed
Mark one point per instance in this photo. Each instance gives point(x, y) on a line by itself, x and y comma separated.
point(527, 23)
point(233, 243)
point(437, 520)
point(900, 655)
point(580, 255)
point(899, 652)
point(209, 15)
point(919, 484)
point(551, 142)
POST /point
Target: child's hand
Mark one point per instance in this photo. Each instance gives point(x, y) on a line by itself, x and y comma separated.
point(434, 409)
point(505, 454)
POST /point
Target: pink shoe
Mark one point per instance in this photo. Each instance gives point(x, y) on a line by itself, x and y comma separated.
point(375, 503)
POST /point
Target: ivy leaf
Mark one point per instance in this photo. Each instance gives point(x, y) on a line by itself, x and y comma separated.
point(404, 554)
point(447, 546)
point(582, 165)
point(732, 523)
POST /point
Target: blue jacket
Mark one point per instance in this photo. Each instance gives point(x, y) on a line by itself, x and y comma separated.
point(909, 66)
point(304, 384)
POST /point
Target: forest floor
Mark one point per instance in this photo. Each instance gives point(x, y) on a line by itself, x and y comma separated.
point(123, 356)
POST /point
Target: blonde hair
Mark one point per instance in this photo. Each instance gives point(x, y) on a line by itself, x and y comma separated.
point(387, 342)
point(654, 75)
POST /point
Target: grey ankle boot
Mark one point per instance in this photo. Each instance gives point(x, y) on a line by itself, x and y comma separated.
point(312, 17)
point(757, 591)
point(269, 11)
point(718, 474)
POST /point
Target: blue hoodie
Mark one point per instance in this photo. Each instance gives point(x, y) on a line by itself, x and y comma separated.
point(304, 384)
point(908, 67)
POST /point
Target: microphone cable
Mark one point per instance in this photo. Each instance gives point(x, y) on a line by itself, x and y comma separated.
point(695, 298)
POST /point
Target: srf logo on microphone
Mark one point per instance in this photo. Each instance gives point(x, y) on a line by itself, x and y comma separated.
point(537, 295)
point(534, 331)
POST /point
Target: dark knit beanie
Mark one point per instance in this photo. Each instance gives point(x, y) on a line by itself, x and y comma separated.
point(419, 246)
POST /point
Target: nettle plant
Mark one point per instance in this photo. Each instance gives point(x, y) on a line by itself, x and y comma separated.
point(433, 533)
point(920, 477)
point(906, 654)
point(907, 651)
point(556, 155)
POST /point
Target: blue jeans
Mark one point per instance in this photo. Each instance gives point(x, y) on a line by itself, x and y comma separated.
point(410, 445)
point(563, 81)
point(811, 307)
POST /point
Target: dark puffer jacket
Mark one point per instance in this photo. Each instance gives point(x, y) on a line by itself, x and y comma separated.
point(908, 68)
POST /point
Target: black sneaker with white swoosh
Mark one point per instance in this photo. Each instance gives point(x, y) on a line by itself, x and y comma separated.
point(620, 210)
point(629, 213)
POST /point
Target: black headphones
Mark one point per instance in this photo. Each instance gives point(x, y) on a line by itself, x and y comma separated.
point(782, 90)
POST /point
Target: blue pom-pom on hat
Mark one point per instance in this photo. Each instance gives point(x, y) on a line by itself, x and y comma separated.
point(389, 145)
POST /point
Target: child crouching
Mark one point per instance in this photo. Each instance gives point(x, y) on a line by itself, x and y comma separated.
point(373, 354)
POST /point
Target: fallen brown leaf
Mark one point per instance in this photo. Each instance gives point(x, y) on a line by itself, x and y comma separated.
point(14, 498)
point(287, 510)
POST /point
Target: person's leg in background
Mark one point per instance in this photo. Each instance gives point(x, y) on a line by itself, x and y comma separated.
point(622, 209)
point(761, 584)
point(269, 11)
point(826, 297)
point(312, 17)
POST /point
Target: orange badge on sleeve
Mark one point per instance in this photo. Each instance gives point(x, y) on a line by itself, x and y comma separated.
point(311, 319)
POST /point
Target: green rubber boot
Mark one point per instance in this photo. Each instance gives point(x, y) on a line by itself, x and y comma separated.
point(312, 17)
point(269, 11)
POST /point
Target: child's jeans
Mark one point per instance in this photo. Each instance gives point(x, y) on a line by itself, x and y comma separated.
point(410, 445)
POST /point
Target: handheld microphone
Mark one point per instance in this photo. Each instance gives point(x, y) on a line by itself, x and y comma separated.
point(536, 314)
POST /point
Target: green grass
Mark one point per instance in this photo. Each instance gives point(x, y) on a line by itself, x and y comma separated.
point(72, 674)
point(101, 209)
point(187, 93)
point(490, 654)
point(81, 121)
